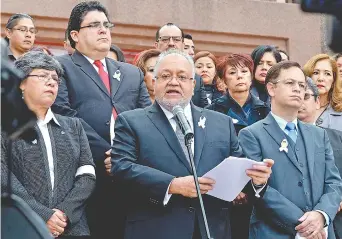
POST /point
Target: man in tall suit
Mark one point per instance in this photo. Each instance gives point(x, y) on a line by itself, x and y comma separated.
point(149, 156)
point(307, 114)
point(170, 36)
point(96, 89)
point(303, 192)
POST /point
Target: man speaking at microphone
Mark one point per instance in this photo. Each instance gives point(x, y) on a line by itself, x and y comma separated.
point(149, 156)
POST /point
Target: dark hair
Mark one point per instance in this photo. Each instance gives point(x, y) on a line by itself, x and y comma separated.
point(14, 19)
point(312, 86)
point(144, 56)
point(79, 12)
point(275, 70)
point(259, 52)
point(66, 35)
point(169, 25)
point(284, 52)
point(37, 60)
point(118, 52)
point(336, 56)
point(187, 36)
point(234, 60)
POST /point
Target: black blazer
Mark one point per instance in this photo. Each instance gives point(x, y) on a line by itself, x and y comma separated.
point(82, 94)
point(146, 155)
point(199, 98)
point(30, 175)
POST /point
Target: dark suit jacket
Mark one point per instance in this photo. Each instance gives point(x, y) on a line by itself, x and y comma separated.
point(199, 98)
point(335, 138)
point(31, 178)
point(146, 155)
point(82, 94)
point(276, 214)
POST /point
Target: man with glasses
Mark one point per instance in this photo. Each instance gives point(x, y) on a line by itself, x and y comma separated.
point(303, 194)
point(20, 35)
point(97, 89)
point(307, 114)
point(171, 36)
point(149, 155)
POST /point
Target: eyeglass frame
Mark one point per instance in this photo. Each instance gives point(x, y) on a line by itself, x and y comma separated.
point(306, 94)
point(169, 38)
point(24, 29)
point(99, 25)
point(47, 78)
point(178, 78)
point(276, 82)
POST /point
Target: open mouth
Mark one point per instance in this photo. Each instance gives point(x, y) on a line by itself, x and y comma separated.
point(173, 92)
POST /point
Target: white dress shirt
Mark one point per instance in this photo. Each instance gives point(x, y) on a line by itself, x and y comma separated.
point(169, 115)
point(112, 120)
point(43, 127)
point(282, 124)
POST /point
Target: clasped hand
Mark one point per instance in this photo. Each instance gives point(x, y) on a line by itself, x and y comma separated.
point(57, 223)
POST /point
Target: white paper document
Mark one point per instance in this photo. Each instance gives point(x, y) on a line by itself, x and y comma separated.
point(230, 176)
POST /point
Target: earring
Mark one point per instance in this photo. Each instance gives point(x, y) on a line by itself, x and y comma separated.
point(22, 94)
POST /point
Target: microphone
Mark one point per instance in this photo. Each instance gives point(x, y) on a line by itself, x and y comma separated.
point(183, 123)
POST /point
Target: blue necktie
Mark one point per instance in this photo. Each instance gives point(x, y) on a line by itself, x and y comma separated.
point(291, 128)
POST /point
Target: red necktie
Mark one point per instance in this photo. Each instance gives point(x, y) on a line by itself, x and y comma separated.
point(105, 79)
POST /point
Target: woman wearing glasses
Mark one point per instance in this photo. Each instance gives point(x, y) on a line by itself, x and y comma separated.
point(20, 35)
point(53, 172)
point(323, 71)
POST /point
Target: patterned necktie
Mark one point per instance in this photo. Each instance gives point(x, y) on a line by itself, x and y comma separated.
point(292, 131)
point(105, 79)
point(180, 137)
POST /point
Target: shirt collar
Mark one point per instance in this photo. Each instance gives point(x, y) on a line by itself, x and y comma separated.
point(48, 117)
point(10, 54)
point(282, 123)
point(187, 112)
point(103, 61)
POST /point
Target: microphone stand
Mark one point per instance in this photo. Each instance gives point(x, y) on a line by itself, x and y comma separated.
point(188, 140)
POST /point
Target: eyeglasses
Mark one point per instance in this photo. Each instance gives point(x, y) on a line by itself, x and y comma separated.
point(26, 29)
point(98, 25)
point(308, 95)
point(168, 78)
point(166, 39)
point(45, 78)
point(292, 83)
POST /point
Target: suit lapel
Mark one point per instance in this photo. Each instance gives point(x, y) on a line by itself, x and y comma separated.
point(89, 70)
point(158, 118)
point(114, 70)
point(199, 132)
point(309, 145)
point(272, 128)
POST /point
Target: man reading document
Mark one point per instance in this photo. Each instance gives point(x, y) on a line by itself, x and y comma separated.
point(150, 158)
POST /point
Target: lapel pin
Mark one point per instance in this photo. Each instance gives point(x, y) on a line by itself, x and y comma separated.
point(235, 121)
point(201, 122)
point(117, 75)
point(62, 132)
point(34, 141)
point(283, 146)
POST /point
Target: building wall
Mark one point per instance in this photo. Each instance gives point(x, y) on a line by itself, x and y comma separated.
point(219, 26)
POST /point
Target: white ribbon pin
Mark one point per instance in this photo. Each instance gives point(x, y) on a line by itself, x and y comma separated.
point(201, 122)
point(117, 75)
point(283, 146)
point(34, 141)
point(235, 121)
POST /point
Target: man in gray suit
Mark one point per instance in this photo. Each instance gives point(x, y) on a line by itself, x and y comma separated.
point(304, 190)
point(307, 114)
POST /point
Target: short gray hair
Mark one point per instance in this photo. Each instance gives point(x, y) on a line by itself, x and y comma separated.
point(37, 60)
point(312, 86)
point(175, 52)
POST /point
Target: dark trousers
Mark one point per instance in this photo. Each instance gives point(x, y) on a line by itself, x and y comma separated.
point(240, 217)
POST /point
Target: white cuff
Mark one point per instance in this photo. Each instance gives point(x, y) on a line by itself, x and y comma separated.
point(89, 169)
point(167, 196)
point(257, 191)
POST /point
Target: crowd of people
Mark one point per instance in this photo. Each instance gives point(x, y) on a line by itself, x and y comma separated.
point(109, 160)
